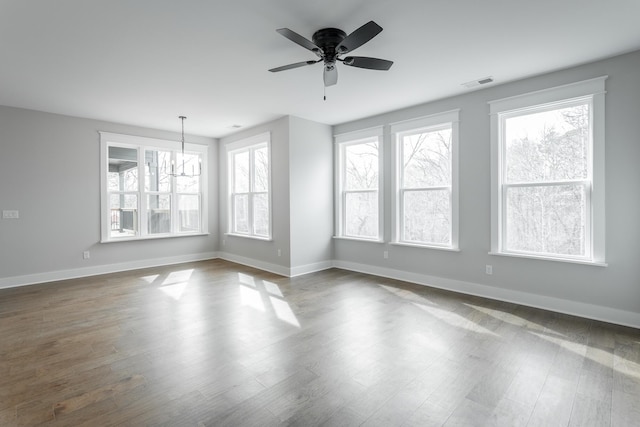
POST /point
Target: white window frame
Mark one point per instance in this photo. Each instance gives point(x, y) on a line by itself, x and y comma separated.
point(248, 145)
point(591, 91)
point(140, 144)
point(341, 142)
point(448, 119)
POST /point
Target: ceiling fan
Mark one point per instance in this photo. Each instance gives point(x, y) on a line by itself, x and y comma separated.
point(329, 44)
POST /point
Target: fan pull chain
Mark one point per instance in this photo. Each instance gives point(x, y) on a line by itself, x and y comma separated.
point(324, 92)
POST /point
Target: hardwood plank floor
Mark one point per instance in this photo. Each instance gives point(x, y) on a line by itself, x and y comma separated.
point(218, 344)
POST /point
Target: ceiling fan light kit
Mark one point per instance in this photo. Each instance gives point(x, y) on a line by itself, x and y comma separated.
point(330, 44)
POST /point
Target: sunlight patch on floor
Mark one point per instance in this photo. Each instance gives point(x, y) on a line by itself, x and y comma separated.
point(272, 288)
point(454, 319)
point(626, 367)
point(175, 290)
point(178, 277)
point(430, 340)
point(617, 362)
point(284, 312)
point(265, 296)
point(151, 278)
point(502, 315)
point(246, 279)
point(574, 347)
point(250, 297)
point(603, 357)
point(175, 284)
point(408, 295)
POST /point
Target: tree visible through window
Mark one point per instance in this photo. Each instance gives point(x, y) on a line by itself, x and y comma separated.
point(361, 190)
point(425, 186)
point(547, 173)
point(547, 180)
point(426, 181)
point(357, 197)
point(249, 174)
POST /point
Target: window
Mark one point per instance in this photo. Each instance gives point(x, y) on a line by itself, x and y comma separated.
point(548, 173)
point(249, 187)
point(426, 181)
point(144, 194)
point(359, 179)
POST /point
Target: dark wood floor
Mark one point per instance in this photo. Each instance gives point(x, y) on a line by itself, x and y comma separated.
point(214, 343)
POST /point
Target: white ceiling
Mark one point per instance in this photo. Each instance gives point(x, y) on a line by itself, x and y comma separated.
point(145, 62)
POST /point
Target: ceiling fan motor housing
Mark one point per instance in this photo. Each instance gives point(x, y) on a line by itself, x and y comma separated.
point(328, 39)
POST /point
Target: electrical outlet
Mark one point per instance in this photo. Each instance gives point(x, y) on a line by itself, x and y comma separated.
point(385, 254)
point(279, 252)
point(10, 214)
point(488, 269)
point(86, 255)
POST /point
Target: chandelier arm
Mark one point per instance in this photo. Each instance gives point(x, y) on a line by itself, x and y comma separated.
point(175, 173)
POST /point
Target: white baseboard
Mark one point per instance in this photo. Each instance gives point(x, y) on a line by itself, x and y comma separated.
point(310, 268)
point(277, 269)
point(589, 311)
point(53, 276)
point(260, 265)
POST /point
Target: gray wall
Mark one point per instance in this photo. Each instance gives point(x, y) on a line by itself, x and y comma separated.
point(263, 254)
point(616, 286)
point(50, 172)
point(311, 188)
point(302, 199)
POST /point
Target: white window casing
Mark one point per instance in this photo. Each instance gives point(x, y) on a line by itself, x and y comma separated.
point(143, 191)
point(249, 147)
point(342, 143)
point(589, 94)
point(432, 124)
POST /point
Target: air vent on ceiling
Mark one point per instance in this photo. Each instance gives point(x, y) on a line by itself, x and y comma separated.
point(478, 82)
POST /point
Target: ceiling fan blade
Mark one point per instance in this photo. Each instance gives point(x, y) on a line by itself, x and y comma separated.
point(298, 39)
point(359, 37)
point(291, 66)
point(330, 75)
point(366, 62)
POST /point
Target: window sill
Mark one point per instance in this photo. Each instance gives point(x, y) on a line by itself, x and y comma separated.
point(358, 239)
point(143, 238)
point(247, 236)
point(548, 258)
point(425, 246)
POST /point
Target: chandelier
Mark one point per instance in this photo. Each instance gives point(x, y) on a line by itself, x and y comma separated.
point(174, 169)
